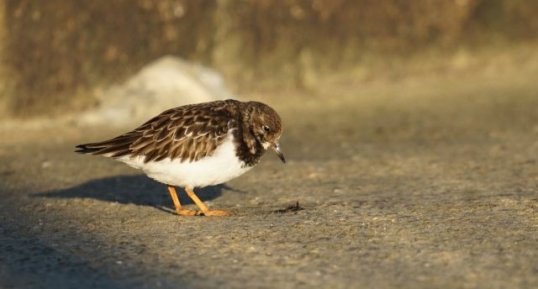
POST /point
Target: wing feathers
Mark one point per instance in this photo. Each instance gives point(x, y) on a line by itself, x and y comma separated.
point(187, 133)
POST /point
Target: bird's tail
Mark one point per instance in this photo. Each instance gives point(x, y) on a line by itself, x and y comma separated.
point(115, 147)
point(88, 148)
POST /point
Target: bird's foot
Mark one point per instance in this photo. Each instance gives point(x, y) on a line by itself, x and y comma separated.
point(185, 212)
point(216, 213)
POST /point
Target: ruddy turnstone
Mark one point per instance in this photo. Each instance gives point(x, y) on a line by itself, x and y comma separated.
point(197, 145)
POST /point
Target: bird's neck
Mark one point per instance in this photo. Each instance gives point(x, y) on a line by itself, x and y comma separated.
point(249, 149)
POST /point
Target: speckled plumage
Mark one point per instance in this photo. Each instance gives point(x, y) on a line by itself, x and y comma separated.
point(192, 132)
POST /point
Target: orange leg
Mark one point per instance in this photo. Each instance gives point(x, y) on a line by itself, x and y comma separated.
point(179, 210)
point(202, 206)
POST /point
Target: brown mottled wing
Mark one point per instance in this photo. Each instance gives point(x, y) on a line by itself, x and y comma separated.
point(188, 133)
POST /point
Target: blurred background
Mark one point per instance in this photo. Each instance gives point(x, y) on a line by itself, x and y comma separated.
point(55, 54)
point(410, 133)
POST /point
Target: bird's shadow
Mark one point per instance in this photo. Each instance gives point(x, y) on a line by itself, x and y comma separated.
point(131, 189)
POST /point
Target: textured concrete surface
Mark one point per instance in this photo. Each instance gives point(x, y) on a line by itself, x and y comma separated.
point(410, 184)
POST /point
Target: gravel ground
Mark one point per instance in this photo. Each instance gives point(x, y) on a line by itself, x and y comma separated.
point(424, 183)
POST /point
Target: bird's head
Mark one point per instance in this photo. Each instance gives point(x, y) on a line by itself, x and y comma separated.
point(266, 126)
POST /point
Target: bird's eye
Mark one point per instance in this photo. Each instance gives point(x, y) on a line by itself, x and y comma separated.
point(265, 128)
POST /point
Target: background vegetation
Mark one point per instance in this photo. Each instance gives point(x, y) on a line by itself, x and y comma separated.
point(54, 53)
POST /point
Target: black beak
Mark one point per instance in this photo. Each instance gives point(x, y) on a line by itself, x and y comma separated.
point(276, 148)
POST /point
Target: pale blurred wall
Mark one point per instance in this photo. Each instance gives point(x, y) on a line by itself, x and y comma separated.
point(54, 52)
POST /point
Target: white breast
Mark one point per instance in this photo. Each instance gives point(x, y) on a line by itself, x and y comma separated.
point(223, 165)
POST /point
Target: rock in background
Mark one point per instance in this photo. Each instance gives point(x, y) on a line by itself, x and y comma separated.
point(164, 83)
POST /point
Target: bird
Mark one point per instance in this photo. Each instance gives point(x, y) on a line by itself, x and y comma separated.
point(197, 145)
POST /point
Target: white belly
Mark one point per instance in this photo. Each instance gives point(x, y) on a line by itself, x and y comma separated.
point(223, 165)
